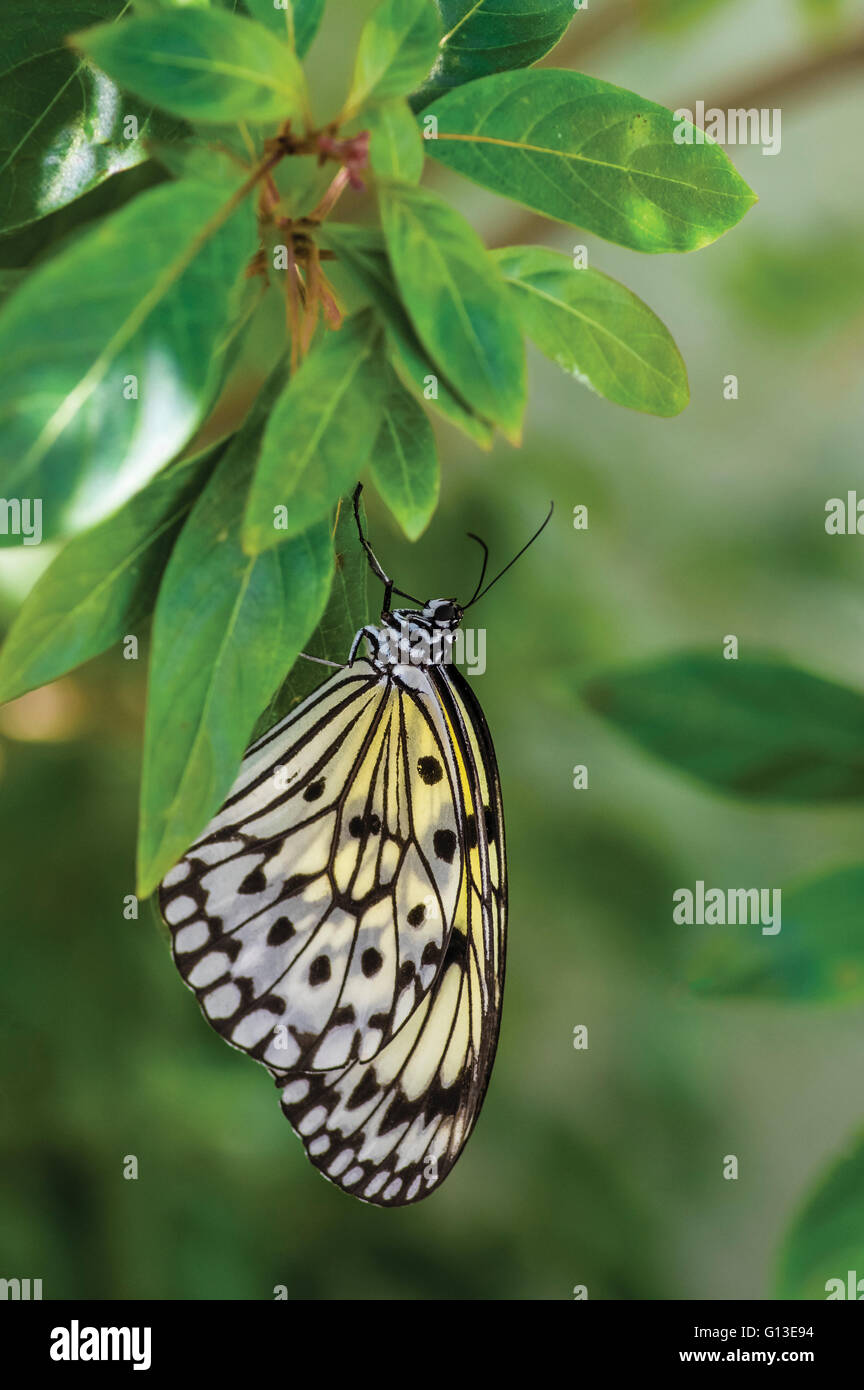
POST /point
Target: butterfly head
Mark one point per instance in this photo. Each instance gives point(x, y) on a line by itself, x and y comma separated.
point(437, 616)
point(443, 613)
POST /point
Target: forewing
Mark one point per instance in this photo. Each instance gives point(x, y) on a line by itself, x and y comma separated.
point(310, 917)
point(390, 1129)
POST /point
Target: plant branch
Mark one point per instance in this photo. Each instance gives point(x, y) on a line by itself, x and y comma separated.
point(801, 74)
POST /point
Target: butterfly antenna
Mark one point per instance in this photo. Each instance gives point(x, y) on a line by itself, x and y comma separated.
point(374, 563)
point(544, 523)
point(471, 536)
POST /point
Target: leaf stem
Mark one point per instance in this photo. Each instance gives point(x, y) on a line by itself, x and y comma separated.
point(331, 197)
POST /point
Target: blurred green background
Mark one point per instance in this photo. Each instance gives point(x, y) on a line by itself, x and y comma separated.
point(600, 1167)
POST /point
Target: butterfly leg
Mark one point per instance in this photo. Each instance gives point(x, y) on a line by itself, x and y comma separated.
point(320, 660)
point(371, 634)
point(374, 563)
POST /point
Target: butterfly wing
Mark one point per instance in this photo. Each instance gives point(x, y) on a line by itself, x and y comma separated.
point(311, 916)
point(389, 1129)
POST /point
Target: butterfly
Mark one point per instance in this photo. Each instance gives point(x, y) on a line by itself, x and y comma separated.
point(342, 919)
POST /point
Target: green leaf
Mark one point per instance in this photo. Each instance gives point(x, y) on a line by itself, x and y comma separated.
point(362, 254)
point(405, 463)
point(227, 627)
point(63, 125)
point(596, 156)
point(398, 45)
point(826, 1240)
point(319, 434)
point(297, 22)
point(486, 36)
point(596, 330)
point(307, 18)
point(204, 65)
point(206, 163)
point(9, 281)
point(395, 143)
point(816, 957)
point(72, 434)
point(56, 230)
point(103, 584)
point(755, 728)
point(346, 612)
point(457, 301)
point(154, 7)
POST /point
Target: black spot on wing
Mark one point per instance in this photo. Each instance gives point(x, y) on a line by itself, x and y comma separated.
point(438, 1100)
point(358, 826)
point(254, 882)
point(431, 953)
point(366, 1088)
point(281, 931)
point(430, 770)
point(319, 970)
point(272, 1003)
point(444, 845)
point(296, 883)
point(371, 962)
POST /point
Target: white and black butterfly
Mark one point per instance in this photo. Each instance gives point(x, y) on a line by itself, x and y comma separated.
point(342, 919)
